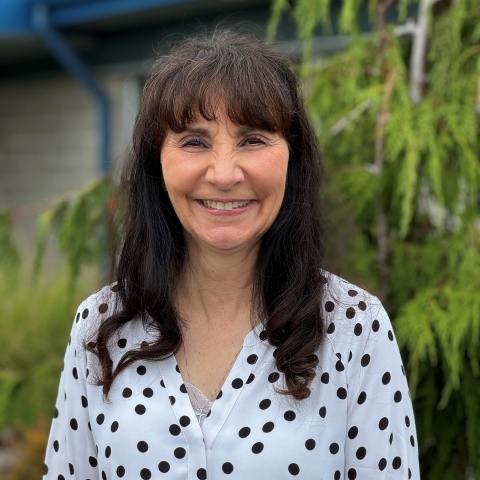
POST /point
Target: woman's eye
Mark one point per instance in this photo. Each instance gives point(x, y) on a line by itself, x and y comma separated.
point(254, 141)
point(193, 142)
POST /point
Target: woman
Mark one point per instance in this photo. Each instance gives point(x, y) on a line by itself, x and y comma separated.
point(224, 350)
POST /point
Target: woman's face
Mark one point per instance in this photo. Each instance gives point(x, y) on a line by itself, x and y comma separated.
point(226, 183)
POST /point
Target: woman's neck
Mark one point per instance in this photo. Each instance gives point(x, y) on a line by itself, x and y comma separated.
point(215, 287)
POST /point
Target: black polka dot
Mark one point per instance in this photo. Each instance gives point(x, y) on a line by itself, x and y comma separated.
point(183, 388)
point(202, 474)
point(250, 378)
point(390, 335)
point(352, 432)
point(145, 473)
point(142, 446)
point(127, 393)
point(162, 383)
point(252, 359)
point(172, 399)
point(358, 329)
point(412, 440)
point(350, 356)
point(92, 461)
point(263, 335)
point(140, 409)
point(273, 377)
point(289, 415)
point(407, 421)
point(386, 378)
point(341, 393)
point(257, 447)
point(84, 402)
point(122, 343)
point(73, 424)
point(264, 404)
point(227, 468)
point(237, 383)
point(100, 418)
point(403, 369)
point(334, 448)
point(142, 370)
point(77, 317)
point(390, 440)
point(89, 426)
point(115, 288)
point(268, 427)
point(70, 468)
point(104, 475)
point(382, 464)
point(398, 396)
point(184, 421)
point(323, 412)
point(55, 413)
point(409, 473)
point(396, 463)
point(350, 313)
point(352, 293)
point(148, 392)
point(365, 360)
point(103, 308)
point(114, 427)
point(177, 368)
point(362, 306)
point(325, 378)
point(361, 398)
point(174, 430)
point(339, 367)
point(375, 325)
point(310, 444)
point(294, 469)
point(361, 452)
point(179, 452)
point(331, 328)
point(352, 474)
point(220, 393)
point(383, 423)
point(337, 475)
point(75, 373)
point(164, 467)
point(244, 432)
point(60, 477)
point(85, 313)
point(329, 306)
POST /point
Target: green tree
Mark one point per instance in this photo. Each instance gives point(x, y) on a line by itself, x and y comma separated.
point(397, 116)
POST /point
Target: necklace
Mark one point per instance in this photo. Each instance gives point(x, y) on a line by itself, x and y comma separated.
point(203, 404)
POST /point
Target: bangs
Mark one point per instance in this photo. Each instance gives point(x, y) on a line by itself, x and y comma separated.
point(252, 88)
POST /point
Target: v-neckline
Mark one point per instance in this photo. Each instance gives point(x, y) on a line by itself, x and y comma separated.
point(226, 398)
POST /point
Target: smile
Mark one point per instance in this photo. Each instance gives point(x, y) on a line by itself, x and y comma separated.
point(225, 206)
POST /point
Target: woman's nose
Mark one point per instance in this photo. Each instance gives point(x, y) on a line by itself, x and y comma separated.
point(224, 170)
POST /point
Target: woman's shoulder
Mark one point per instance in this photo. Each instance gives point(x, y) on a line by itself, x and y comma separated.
point(351, 313)
point(97, 308)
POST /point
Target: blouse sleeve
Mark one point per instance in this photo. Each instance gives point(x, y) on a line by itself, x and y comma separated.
point(71, 447)
point(381, 440)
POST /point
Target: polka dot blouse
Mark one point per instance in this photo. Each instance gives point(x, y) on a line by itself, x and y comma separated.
point(357, 423)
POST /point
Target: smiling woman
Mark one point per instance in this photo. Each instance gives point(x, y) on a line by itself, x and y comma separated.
point(224, 349)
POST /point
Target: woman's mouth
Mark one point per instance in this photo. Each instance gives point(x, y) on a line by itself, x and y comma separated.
point(225, 206)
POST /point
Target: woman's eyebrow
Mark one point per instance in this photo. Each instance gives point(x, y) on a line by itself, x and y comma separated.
point(197, 130)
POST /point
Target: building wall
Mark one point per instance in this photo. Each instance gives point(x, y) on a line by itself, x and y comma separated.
point(49, 139)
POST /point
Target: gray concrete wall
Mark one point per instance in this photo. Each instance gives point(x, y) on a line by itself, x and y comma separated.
point(49, 141)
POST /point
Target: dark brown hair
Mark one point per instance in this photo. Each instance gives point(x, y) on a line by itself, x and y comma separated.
point(257, 88)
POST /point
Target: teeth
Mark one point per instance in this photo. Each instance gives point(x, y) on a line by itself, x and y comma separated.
point(224, 206)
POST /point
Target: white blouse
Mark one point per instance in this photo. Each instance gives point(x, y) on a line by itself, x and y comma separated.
point(357, 423)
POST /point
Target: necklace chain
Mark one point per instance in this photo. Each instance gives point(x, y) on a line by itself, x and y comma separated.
point(214, 393)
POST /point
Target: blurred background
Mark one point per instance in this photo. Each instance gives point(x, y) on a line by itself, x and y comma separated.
point(393, 88)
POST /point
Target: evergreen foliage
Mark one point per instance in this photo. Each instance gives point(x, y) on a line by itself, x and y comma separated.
point(399, 130)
